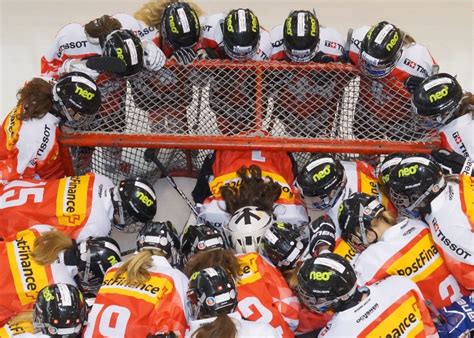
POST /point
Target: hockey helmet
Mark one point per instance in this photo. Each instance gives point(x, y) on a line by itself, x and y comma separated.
point(180, 25)
point(384, 168)
point(241, 34)
point(301, 36)
point(198, 238)
point(126, 46)
point(162, 236)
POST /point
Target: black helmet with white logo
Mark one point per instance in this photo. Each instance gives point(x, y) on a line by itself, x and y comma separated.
point(180, 25)
point(301, 36)
point(241, 34)
point(126, 46)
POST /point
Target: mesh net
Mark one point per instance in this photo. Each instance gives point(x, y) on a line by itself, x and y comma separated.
point(220, 104)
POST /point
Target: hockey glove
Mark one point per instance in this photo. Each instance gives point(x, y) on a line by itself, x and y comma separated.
point(453, 163)
point(321, 57)
point(153, 57)
point(75, 65)
point(412, 83)
point(322, 232)
point(184, 56)
point(206, 54)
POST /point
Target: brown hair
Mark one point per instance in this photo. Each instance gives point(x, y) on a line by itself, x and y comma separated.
point(212, 258)
point(408, 39)
point(101, 27)
point(138, 265)
point(222, 327)
point(387, 216)
point(152, 11)
point(291, 276)
point(467, 104)
point(49, 245)
point(36, 97)
point(253, 191)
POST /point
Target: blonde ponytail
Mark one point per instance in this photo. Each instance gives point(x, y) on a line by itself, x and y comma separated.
point(137, 266)
point(48, 246)
point(151, 12)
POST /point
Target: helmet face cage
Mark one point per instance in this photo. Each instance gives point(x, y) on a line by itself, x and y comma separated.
point(241, 34)
point(301, 36)
point(59, 311)
point(122, 217)
point(180, 26)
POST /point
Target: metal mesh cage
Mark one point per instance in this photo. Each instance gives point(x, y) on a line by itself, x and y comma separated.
point(185, 110)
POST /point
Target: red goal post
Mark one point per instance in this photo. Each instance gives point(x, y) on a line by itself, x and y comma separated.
point(187, 110)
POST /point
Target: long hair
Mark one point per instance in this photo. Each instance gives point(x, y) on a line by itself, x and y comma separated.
point(467, 104)
point(36, 97)
point(48, 246)
point(137, 267)
point(101, 27)
point(222, 327)
point(387, 216)
point(254, 190)
point(291, 276)
point(152, 11)
point(213, 258)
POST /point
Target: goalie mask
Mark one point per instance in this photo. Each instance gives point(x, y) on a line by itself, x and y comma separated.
point(321, 182)
point(180, 26)
point(59, 311)
point(160, 236)
point(241, 34)
point(78, 98)
point(414, 183)
point(355, 217)
point(246, 228)
point(134, 200)
point(381, 49)
point(211, 292)
point(124, 45)
point(301, 36)
point(283, 245)
point(199, 238)
point(326, 282)
point(436, 100)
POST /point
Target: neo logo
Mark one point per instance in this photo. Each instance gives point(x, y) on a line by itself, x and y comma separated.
point(439, 94)
point(289, 32)
point(320, 275)
point(120, 54)
point(408, 171)
point(173, 25)
point(230, 28)
point(144, 199)
point(84, 93)
point(322, 173)
point(392, 42)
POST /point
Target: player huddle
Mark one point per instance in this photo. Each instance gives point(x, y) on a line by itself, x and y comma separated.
point(391, 255)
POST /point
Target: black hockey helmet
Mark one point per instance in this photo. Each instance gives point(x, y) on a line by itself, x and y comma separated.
point(381, 49)
point(134, 199)
point(162, 236)
point(413, 184)
point(283, 245)
point(77, 95)
point(59, 311)
point(126, 46)
point(198, 238)
point(436, 100)
point(180, 26)
point(211, 292)
point(241, 34)
point(325, 282)
point(321, 181)
point(384, 168)
point(355, 217)
point(301, 36)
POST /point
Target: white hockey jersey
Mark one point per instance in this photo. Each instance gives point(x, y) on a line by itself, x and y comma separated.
point(331, 43)
point(394, 308)
point(457, 135)
point(29, 148)
point(245, 328)
point(451, 223)
point(407, 249)
point(212, 38)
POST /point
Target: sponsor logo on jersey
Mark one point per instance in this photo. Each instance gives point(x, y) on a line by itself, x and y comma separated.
point(71, 201)
point(44, 141)
point(458, 139)
point(412, 64)
point(28, 276)
point(13, 329)
point(447, 242)
point(439, 94)
point(333, 45)
point(248, 272)
point(343, 249)
point(71, 45)
point(368, 313)
point(12, 128)
point(151, 291)
point(145, 31)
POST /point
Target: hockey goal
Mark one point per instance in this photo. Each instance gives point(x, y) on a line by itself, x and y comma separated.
point(187, 111)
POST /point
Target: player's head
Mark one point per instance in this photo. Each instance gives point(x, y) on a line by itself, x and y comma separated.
point(98, 29)
point(180, 26)
point(436, 100)
point(59, 311)
point(384, 168)
point(283, 245)
point(356, 217)
point(134, 200)
point(246, 228)
point(321, 182)
point(77, 98)
point(161, 236)
point(241, 34)
point(211, 292)
point(93, 257)
point(413, 184)
point(381, 49)
point(326, 282)
point(126, 46)
point(301, 36)
point(200, 238)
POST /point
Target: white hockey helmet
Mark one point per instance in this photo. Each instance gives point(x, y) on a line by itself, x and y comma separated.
point(246, 228)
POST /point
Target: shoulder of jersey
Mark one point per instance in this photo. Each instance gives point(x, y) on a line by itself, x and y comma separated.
point(69, 29)
point(358, 35)
point(331, 41)
point(128, 21)
point(417, 58)
point(276, 33)
point(211, 27)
